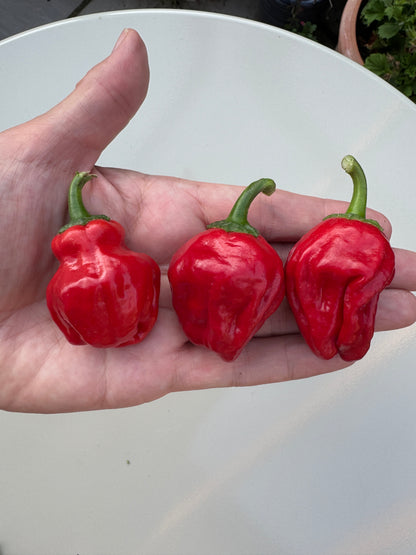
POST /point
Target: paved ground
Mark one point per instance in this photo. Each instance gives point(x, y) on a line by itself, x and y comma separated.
point(20, 15)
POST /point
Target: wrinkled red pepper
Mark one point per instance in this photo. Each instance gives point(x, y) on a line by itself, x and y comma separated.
point(227, 280)
point(335, 274)
point(102, 294)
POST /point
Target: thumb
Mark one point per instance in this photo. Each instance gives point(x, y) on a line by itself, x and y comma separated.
point(78, 129)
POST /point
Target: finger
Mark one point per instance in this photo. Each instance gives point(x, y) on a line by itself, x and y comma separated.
point(284, 359)
point(281, 322)
point(289, 215)
point(396, 309)
point(405, 273)
point(83, 124)
point(284, 216)
point(396, 306)
point(262, 361)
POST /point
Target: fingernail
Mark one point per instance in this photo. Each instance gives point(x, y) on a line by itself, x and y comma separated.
point(121, 38)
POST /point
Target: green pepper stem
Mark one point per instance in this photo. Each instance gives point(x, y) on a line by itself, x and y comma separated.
point(78, 214)
point(237, 219)
point(358, 204)
point(76, 207)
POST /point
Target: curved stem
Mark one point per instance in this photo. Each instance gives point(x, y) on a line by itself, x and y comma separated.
point(358, 204)
point(239, 211)
point(237, 219)
point(78, 214)
point(76, 208)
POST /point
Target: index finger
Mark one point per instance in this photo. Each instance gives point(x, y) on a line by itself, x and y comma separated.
point(282, 217)
point(288, 216)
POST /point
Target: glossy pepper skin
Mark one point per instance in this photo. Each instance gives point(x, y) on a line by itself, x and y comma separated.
point(335, 274)
point(227, 280)
point(102, 294)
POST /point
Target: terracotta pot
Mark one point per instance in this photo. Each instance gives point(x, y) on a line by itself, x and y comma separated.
point(347, 37)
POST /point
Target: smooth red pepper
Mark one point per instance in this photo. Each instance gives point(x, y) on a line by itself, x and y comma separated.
point(335, 274)
point(228, 280)
point(102, 294)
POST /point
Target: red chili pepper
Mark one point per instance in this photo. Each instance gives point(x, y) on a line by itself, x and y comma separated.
point(335, 274)
point(228, 280)
point(102, 294)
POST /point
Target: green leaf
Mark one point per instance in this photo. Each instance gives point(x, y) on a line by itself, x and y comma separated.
point(374, 10)
point(407, 90)
point(308, 30)
point(377, 63)
point(388, 30)
point(394, 12)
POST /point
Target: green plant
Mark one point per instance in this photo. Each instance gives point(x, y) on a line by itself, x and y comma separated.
point(298, 24)
point(306, 29)
point(392, 45)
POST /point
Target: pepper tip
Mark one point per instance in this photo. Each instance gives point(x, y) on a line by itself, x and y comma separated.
point(348, 163)
point(269, 186)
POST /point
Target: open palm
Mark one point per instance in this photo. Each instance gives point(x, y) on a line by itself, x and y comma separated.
point(39, 370)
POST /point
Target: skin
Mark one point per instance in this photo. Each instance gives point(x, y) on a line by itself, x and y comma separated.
point(39, 370)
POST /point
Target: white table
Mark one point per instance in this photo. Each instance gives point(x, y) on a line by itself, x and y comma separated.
point(324, 466)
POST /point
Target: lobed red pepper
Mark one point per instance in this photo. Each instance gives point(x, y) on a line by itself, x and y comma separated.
point(335, 274)
point(227, 280)
point(102, 294)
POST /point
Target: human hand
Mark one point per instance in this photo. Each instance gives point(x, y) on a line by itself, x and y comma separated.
point(39, 370)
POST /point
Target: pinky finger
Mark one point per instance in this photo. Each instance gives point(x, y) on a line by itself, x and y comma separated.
point(264, 360)
point(396, 309)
